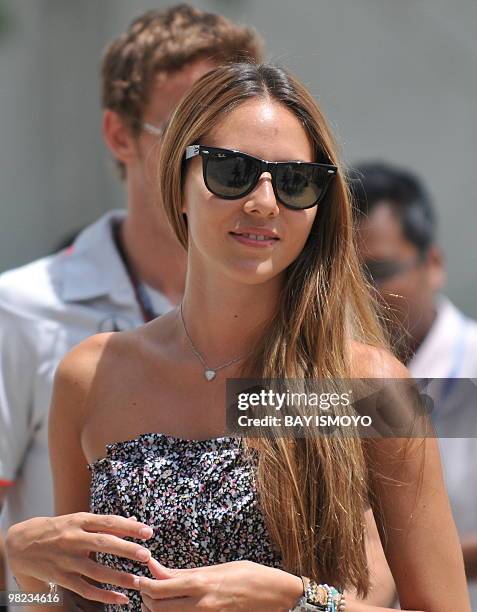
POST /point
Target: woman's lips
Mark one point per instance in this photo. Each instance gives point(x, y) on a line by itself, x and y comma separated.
point(257, 240)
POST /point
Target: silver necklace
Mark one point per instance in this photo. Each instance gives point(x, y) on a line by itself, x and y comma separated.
point(209, 373)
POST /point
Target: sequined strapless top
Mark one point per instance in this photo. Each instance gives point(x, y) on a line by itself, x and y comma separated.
point(199, 496)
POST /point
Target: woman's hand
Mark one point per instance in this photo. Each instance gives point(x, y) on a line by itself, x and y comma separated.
point(60, 549)
point(229, 587)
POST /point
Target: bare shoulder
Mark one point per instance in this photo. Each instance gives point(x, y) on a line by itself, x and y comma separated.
point(80, 364)
point(94, 361)
point(375, 362)
point(400, 425)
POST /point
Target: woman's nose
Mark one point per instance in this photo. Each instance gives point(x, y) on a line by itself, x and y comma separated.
point(262, 201)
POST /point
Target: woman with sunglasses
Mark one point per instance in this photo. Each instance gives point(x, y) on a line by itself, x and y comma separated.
point(254, 190)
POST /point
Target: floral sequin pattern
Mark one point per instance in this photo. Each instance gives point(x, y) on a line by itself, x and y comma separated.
point(199, 497)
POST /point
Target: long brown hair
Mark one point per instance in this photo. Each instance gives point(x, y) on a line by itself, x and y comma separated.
point(313, 491)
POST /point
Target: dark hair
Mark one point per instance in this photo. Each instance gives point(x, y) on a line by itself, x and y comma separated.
point(374, 183)
point(160, 42)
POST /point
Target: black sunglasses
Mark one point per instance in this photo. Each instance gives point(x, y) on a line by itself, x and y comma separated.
point(232, 174)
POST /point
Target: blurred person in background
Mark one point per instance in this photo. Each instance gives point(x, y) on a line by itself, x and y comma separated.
point(119, 273)
point(397, 242)
point(124, 269)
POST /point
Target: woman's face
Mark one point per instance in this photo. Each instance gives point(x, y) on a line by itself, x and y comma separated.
point(218, 228)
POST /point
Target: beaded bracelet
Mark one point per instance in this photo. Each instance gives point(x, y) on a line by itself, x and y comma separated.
point(335, 601)
point(325, 598)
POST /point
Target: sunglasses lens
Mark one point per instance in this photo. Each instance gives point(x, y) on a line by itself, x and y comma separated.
point(230, 175)
point(300, 185)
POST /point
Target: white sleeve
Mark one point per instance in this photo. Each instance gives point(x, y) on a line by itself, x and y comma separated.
point(18, 357)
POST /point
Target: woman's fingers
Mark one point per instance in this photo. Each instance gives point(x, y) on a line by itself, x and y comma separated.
point(182, 586)
point(113, 545)
point(115, 525)
point(103, 574)
point(89, 591)
point(160, 572)
point(60, 548)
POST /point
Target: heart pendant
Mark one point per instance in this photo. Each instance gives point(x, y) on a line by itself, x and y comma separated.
point(210, 374)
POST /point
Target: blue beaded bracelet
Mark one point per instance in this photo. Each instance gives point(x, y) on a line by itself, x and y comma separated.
point(335, 600)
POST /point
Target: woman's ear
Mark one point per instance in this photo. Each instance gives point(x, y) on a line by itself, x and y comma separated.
point(118, 137)
point(184, 196)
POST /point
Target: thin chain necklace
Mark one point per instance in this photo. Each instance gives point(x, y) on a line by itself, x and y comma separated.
point(209, 373)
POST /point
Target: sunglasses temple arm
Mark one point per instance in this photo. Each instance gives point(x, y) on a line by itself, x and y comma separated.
point(192, 151)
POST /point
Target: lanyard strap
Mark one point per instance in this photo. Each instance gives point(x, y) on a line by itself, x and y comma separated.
point(140, 293)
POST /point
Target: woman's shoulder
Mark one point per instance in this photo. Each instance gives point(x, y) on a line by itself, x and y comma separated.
point(368, 361)
point(86, 355)
point(95, 358)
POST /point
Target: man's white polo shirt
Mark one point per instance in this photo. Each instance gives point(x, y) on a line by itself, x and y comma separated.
point(46, 308)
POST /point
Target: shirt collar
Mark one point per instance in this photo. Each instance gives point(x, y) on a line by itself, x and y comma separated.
point(434, 356)
point(92, 267)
